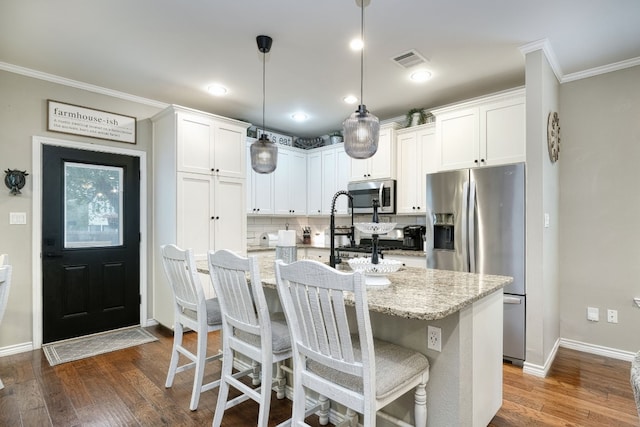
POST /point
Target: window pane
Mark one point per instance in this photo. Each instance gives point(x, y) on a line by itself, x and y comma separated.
point(92, 205)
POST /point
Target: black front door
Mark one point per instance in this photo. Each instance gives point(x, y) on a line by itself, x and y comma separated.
point(90, 242)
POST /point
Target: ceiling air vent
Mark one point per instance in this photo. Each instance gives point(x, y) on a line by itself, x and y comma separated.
point(409, 59)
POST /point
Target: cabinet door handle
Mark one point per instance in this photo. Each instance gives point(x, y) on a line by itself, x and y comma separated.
point(475, 161)
point(481, 160)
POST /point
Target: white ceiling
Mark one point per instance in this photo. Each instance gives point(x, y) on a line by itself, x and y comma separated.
point(170, 51)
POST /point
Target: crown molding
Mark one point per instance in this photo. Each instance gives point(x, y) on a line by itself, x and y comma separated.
point(545, 46)
point(79, 85)
point(616, 66)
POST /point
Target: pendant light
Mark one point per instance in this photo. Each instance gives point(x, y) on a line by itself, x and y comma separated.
point(264, 153)
point(362, 129)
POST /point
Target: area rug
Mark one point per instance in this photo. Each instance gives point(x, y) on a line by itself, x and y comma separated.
point(92, 345)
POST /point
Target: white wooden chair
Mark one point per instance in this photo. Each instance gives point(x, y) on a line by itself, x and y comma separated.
point(635, 380)
point(249, 330)
point(192, 311)
point(356, 371)
point(5, 284)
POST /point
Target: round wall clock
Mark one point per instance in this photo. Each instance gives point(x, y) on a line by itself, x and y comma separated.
point(553, 136)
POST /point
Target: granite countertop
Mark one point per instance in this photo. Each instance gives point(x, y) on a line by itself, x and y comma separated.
point(414, 293)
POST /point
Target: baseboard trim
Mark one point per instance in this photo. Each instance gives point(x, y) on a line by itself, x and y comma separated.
point(15, 349)
point(542, 370)
point(599, 350)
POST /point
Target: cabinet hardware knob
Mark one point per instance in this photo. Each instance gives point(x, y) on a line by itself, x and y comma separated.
point(212, 218)
point(258, 210)
point(475, 161)
point(482, 160)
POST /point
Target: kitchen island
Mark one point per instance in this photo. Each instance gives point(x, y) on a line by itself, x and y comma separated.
point(465, 385)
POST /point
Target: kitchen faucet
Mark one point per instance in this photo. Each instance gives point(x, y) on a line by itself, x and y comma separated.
point(333, 260)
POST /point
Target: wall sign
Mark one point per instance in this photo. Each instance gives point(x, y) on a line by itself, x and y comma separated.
point(77, 120)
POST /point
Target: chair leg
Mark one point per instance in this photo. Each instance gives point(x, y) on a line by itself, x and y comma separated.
point(280, 381)
point(255, 375)
point(420, 408)
point(298, 412)
point(201, 357)
point(265, 395)
point(323, 414)
point(175, 356)
point(223, 391)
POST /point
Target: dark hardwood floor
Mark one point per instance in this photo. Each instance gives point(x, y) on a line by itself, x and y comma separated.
point(126, 388)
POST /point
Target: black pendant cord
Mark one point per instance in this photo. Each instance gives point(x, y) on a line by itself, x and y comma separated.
point(362, 52)
point(264, 60)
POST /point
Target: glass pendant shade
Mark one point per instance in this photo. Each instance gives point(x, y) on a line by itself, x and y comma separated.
point(264, 155)
point(361, 131)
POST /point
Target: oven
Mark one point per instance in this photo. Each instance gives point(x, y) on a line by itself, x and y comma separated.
point(363, 193)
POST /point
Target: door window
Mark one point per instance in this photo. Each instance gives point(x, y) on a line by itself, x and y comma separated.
point(92, 205)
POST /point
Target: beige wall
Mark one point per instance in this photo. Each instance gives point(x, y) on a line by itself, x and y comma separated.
point(23, 114)
point(600, 208)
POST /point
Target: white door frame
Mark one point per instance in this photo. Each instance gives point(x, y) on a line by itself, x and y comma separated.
point(36, 224)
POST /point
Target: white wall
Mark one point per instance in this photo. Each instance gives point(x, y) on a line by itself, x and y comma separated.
point(543, 330)
point(600, 208)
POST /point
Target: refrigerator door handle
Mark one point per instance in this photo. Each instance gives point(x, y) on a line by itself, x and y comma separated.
point(465, 225)
point(471, 227)
point(512, 300)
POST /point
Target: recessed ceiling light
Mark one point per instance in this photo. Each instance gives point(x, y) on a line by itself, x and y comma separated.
point(356, 44)
point(420, 76)
point(217, 90)
point(299, 116)
point(350, 99)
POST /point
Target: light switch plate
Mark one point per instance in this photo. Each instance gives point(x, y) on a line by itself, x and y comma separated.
point(17, 218)
point(593, 314)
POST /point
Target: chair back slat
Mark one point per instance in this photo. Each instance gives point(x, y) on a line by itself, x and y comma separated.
point(183, 277)
point(313, 293)
point(244, 305)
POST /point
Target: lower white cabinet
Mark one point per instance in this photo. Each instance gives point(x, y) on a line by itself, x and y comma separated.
point(408, 260)
point(417, 156)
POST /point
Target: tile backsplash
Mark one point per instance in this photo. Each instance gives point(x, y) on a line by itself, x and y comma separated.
point(256, 225)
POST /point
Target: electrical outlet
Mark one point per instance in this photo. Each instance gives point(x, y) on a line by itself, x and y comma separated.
point(612, 316)
point(434, 338)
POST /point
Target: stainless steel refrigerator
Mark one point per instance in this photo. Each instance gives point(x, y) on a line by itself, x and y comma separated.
point(476, 223)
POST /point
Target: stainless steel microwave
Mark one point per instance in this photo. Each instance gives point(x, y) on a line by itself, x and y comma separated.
point(363, 193)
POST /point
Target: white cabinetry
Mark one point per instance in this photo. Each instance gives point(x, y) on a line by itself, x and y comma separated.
point(314, 183)
point(483, 132)
point(381, 165)
point(290, 184)
point(199, 190)
point(417, 156)
point(327, 172)
point(260, 188)
point(408, 260)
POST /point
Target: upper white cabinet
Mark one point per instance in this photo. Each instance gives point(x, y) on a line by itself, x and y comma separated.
point(484, 132)
point(381, 165)
point(198, 190)
point(260, 188)
point(327, 172)
point(314, 183)
point(290, 183)
point(417, 156)
point(206, 144)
